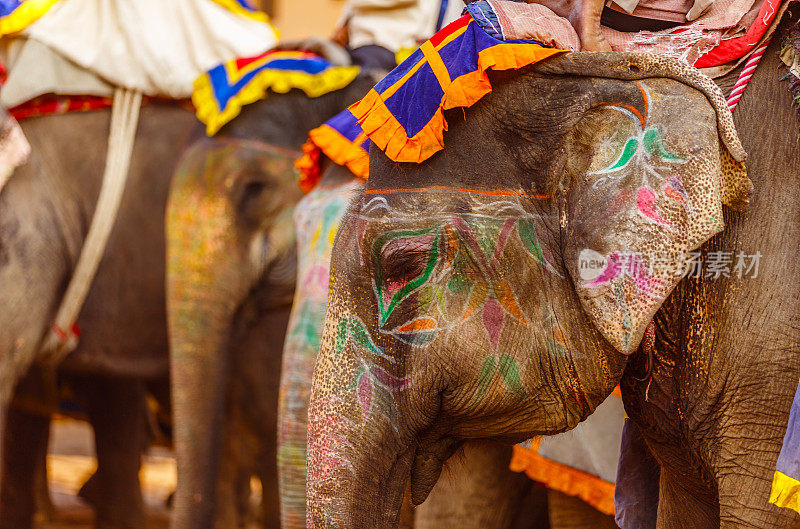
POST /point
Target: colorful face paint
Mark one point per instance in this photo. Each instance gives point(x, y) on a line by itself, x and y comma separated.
point(317, 219)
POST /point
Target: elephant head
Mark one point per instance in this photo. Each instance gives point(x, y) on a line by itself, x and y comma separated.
point(231, 256)
point(498, 289)
point(229, 227)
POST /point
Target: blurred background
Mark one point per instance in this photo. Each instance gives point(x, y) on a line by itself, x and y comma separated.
point(302, 18)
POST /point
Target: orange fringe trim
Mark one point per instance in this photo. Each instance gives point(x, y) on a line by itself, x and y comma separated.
point(327, 141)
point(389, 135)
point(595, 491)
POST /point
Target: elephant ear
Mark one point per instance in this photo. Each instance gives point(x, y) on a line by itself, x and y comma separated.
point(645, 181)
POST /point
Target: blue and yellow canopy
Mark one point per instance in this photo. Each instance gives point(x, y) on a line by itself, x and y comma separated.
point(220, 93)
point(16, 15)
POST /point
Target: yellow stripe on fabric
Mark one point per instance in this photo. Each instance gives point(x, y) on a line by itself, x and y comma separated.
point(389, 92)
point(234, 74)
point(314, 85)
point(437, 64)
point(26, 14)
point(259, 16)
point(451, 37)
point(785, 491)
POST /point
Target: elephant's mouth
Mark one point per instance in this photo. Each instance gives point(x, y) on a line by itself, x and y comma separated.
point(429, 459)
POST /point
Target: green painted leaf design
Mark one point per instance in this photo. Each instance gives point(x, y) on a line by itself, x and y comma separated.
point(354, 328)
point(631, 146)
point(509, 370)
point(527, 234)
point(485, 377)
point(654, 144)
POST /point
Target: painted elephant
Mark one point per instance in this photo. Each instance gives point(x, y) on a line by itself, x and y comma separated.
point(479, 492)
point(232, 262)
point(500, 289)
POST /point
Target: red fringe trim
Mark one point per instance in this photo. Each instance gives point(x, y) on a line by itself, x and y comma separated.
point(325, 140)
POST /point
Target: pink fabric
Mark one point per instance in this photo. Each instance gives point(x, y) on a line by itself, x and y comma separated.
point(688, 42)
point(534, 21)
point(14, 148)
point(672, 10)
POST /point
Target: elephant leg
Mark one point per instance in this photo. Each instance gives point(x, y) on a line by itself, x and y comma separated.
point(45, 510)
point(679, 508)
point(476, 490)
point(570, 512)
point(270, 499)
point(228, 511)
point(116, 409)
point(24, 453)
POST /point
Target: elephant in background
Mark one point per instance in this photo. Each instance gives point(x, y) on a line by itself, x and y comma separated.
point(231, 264)
point(502, 290)
point(45, 208)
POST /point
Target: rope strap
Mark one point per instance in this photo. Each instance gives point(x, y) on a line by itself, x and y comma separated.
point(63, 336)
point(746, 75)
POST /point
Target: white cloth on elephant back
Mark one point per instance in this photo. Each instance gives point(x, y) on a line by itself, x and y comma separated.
point(593, 445)
point(156, 47)
point(396, 24)
point(35, 69)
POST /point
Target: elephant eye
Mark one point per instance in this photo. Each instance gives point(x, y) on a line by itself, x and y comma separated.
point(405, 258)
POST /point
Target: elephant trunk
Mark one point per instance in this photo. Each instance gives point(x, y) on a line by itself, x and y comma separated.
point(199, 369)
point(203, 288)
point(356, 472)
point(360, 452)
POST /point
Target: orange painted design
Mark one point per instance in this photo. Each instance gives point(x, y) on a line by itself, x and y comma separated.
point(420, 324)
point(627, 107)
point(505, 296)
point(646, 101)
point(499, 192)
point(593, 490)
point(389, 135)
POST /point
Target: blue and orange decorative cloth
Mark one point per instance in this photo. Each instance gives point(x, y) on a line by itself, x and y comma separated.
point(786, 480)
point(342, 140)
point(403, 115)
point(220, 93)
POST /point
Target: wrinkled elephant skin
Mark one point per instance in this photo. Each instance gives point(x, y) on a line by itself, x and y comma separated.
point(497, 291)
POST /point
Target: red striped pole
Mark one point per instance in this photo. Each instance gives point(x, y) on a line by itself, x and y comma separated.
point(744, 77)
